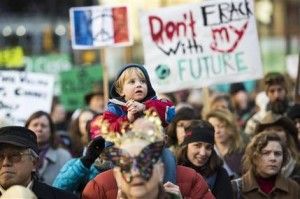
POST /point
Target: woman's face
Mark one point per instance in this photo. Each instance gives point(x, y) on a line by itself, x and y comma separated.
point(180, 133)
point(198, 153)
point(41, 127)
point(84, 117)
point(221, 133)
point(220, 104)
point(270, 160)
point(138, 187)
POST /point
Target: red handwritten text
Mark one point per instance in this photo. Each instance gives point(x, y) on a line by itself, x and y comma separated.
point(226, 39)
point(161, 30)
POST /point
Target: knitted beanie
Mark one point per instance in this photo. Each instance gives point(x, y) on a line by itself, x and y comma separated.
point(199, 131)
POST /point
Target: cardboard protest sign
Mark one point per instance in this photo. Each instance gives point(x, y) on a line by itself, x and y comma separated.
point(76, 83)
point(99, 26)
point(196, 45)
point(22, 93)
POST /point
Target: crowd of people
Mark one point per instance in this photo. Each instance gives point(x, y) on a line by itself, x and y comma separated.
point(145, 145)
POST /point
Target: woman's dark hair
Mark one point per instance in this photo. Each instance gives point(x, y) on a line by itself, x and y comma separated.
point(77, 146)
point(52, 140)
point(184, 113)
point(212, 165)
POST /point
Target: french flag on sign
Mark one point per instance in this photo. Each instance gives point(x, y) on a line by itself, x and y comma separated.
point(99, 26)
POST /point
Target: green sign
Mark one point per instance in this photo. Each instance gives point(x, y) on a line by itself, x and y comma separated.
point(76, 83)
point(50, 64)
point(273, 54)
point(53, 63)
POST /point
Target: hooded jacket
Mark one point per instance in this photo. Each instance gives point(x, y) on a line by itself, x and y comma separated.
point(116, 114)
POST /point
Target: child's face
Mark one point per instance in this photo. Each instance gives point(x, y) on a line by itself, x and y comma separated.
point(134, 88)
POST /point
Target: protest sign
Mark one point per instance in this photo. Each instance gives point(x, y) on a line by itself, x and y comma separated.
point(196, 45)
point(22, 93)
point(76, 83)
point(99, 26)
point(50, 64)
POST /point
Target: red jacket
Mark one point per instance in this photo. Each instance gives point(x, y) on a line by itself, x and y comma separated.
point(191, 185)
point(116, 115)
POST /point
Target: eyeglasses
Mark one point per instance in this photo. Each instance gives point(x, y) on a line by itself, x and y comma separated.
point(14, 157)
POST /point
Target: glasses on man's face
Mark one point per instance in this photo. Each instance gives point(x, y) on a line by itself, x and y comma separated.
point(14, 157)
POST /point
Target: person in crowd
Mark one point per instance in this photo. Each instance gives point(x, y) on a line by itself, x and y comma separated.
point(228, 142)
point(294, 114)
point(195, 99)
point(175, 130)
point(17, 191)
point(18, 163)
point(221, 101)
point(217, 101)
point(95, 101)
point(287, 131)
point(131, 94)
point(277, 92)
point(51, 156)
point(264, 158)
point(76, 173)
point(243, 105)
point(138, 170)
point(197, 152)
point(79, 133)
point(59, 117)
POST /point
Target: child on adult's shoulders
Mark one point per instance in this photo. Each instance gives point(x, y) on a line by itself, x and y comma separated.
point(131, 94)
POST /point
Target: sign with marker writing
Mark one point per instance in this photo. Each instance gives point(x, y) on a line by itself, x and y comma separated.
point(99, 26)
point(22, 93)
point(197, 45)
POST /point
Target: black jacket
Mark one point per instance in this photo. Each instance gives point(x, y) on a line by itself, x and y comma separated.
point(222, 188)
point(44, 191)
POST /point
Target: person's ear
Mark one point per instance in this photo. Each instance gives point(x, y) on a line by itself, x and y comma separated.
point(35, 163)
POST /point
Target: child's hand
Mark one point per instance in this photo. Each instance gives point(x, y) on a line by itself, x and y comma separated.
point(172, 188)
point(134, 107)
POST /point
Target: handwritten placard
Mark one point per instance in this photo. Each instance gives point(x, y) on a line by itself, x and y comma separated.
point(22, 93)
point(197, 45)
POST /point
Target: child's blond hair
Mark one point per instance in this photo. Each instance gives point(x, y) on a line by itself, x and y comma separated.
point(126, 74)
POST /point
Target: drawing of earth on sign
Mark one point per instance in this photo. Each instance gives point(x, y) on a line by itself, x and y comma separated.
point(162, 71)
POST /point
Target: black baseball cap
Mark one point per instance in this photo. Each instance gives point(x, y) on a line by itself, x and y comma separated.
point(19, 136)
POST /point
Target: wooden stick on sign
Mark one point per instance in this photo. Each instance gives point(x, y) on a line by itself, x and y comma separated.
point(105, 75)
point(297, 89)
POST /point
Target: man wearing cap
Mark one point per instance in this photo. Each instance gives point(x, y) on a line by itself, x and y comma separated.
point(18, 160)
point(276, 90)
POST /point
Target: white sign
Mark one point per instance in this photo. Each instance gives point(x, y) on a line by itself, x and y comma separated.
point(22, 93)
point(99, 26)
point(197, 45)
